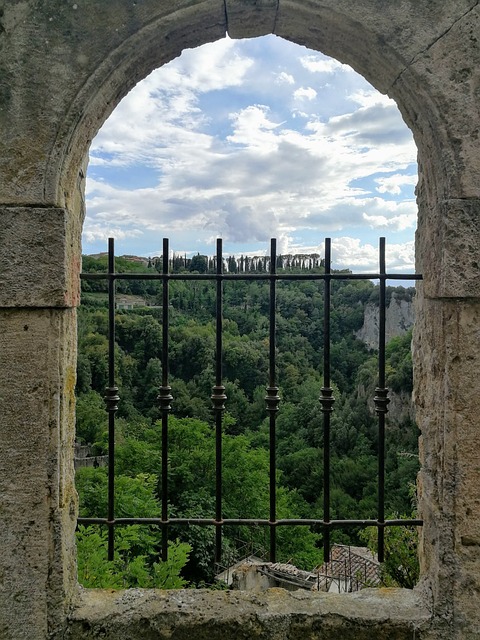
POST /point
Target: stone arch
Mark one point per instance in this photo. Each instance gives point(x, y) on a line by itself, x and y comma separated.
point(353, 39)
point(63, 68)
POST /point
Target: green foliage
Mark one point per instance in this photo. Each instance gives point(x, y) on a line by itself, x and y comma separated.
point(134, 497)
point(91, 418)
point(399, 363)
point(245, 440)
point(401, 568)
point(129, 568)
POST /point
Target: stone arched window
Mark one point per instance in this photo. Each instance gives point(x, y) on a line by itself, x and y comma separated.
point(64, 66)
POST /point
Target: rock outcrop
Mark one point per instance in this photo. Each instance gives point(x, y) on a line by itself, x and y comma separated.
point(399, 318)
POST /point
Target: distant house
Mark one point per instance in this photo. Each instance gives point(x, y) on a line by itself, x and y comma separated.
point(228, 574)
point(349, 569)
point(128, 303)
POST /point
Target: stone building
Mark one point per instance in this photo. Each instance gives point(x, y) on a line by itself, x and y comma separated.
point(64, 66)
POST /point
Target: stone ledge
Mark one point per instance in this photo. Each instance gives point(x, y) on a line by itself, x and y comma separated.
point(371, 614)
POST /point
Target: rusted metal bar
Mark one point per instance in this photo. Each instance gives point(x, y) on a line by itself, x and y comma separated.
point(262, 522)
point(272, 400)
point(218, 400)
point(326, 399)
point(111, 398)
point(381, 401)
point(165, 396)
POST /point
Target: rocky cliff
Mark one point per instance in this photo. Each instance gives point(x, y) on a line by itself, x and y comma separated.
point(399, 318)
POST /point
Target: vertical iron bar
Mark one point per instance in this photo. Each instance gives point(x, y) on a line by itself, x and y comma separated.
point(111, 398)
point(326, 399)
point(165, 396)
point(272, 398)
point(218, 400)
point(381, 401)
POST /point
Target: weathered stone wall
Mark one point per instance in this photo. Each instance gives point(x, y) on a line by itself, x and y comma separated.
point(64, 66)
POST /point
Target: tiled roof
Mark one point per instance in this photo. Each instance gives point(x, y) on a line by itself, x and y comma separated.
point(356, 565)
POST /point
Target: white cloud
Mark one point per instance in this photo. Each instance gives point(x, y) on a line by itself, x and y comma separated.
point(371, 98)
point(93, 232)
point(350, 253)
point(305, 93)
point(161, 113)
point(393, 184)
point(284, 78)
point(208, 68)
point(223, 162)
point(252, 127)
point(398, 223)
point(317, 63)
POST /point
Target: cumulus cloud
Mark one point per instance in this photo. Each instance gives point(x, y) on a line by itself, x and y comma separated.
point(93, 232)
point(251, 127)
point(377, 124)
point(370, 98)
point(216, 66)
point(393, 184)
point(397, 223)
point(223, 162)
point(317, 63)
point(305, 93)
point(284, 78)
point(161, 113)
point(350, 253)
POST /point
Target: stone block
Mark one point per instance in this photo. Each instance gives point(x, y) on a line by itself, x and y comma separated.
point(37, 495)
point(447, 361)
point(250, 18)
point(38, 265)
point(448, 249)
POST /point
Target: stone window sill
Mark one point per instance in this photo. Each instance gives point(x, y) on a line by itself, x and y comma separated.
point(370, 614)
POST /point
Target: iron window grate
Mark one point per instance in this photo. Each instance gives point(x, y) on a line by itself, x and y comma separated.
point(272, 400)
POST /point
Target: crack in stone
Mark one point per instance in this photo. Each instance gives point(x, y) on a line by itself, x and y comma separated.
point(277, 7)
point(429, 46)
point(29, 205)
point(226, 15)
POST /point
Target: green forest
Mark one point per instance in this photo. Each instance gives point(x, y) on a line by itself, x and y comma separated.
point(299, 446)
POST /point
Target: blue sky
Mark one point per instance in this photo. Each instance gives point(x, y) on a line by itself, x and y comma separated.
point(248, 140)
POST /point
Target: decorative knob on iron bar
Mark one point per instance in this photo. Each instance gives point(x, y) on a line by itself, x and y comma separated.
point(327, 399)
point(111, 398)
point(272, 399)
point(164, 398)
point(381, 400)
point(218, 397)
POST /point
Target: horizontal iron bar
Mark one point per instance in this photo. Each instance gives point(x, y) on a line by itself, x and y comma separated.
point(252, 521)
point(253, 276)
